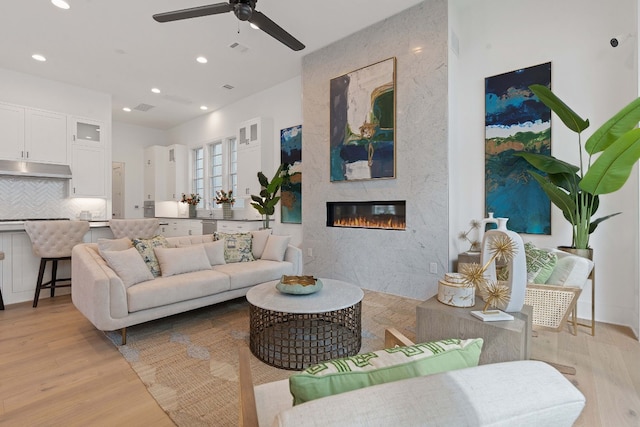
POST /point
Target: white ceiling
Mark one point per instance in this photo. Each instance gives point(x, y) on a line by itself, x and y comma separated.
point(115, 47)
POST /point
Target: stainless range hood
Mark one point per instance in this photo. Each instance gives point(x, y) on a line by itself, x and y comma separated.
point(34, 169)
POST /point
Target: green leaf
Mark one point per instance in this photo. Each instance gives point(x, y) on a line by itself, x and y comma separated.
point(274, 185)
point(262, 179)
point(548, 164)
point(612, 169)
point(595, 222)
point(259, 208)
point(256, 199)
point(558, 197)
point(569, 117)
point(625, 120)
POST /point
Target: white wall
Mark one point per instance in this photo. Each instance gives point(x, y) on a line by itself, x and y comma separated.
point(496, 36)
point(129, 142)
point(281, 103)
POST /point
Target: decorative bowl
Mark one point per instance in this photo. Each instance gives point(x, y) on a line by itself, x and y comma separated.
point(299, 285)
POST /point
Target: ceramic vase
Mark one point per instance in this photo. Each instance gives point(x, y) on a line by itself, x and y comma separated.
point(226, 211)
point(517, 266)
point(192, 211)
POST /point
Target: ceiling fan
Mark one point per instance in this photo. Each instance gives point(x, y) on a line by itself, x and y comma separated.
point(245, 10)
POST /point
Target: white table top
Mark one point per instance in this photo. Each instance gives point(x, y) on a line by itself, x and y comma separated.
point(334, 295)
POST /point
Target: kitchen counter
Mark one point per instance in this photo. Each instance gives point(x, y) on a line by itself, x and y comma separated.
point(18, 224)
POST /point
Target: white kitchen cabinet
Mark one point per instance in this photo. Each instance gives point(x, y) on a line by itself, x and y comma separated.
point(177, 171)
point(88, 168)
point(155, 168)
point(29, 134)
point(255, 154)
point(181, 227)
point(237, 226)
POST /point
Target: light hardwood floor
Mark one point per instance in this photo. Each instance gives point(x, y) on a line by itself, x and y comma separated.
point(57, 369)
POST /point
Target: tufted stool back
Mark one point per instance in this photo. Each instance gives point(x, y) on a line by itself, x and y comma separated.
point(55, 239)
point(134, 228)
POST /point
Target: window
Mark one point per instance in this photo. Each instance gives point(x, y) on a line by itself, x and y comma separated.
point(222, 169)
point(215, 175)
point(198, 174)
point(233, 165)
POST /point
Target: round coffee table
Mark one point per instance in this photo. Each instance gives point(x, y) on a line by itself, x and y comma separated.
point(297, 331)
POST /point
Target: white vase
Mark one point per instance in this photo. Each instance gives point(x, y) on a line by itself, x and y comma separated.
point(227, 213)
point(517, 266)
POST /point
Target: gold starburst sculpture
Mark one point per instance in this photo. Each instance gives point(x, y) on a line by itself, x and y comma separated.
point(497, 295)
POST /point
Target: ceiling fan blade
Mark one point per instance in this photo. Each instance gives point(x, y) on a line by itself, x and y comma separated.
point(193, 12)
point(274, 30)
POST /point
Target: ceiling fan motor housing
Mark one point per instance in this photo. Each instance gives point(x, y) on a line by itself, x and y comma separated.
point(243, 9)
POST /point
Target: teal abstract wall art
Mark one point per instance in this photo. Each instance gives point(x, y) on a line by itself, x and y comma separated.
point(516, 120)
point(291, 190)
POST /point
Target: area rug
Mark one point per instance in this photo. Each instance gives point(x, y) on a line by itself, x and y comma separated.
point(189, 362)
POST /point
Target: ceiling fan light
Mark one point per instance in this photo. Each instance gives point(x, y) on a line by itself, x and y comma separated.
point(61, 4)
point(242, 11)
point(254, 26)
point(39, 57)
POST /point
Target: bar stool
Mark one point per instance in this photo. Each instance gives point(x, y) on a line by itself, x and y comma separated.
point(144, 228)
point(53, 241)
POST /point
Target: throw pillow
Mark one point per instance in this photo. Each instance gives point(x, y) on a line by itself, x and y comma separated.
point(259, 241)
point(540, 263)
point(114, 245)
point(215, 252)
point(393, 364)
point(128, 265)
point(275, 248)
point(237, 247)
point(146, 246)
point(182, 260)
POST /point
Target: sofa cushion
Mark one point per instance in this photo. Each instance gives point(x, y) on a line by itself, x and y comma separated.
point(237, 247)
point(182, 287)
point(215, 252)
point(571, 270)
point(189, 240)
point(128, 265)
point(182, 260)
point(252, 273)
point(114, 244)
point(275, 248)
point(540, 263)
point(259, 241)
point(383, 366)
point(146, 249)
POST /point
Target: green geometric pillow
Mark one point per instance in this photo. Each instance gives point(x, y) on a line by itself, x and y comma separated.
point(145, 247)
point(383, 366)
point(237, 247)
point(540, 263)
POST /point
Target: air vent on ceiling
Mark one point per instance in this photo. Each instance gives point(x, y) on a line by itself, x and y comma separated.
point(227, 87)
point(143, 107)
point(238, 47)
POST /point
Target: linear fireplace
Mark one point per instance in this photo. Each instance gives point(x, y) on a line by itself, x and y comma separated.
point(388, 215)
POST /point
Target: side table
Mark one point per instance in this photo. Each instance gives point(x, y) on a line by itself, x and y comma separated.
point(503, 341)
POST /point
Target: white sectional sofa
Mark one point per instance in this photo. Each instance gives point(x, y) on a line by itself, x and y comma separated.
point(110, 303)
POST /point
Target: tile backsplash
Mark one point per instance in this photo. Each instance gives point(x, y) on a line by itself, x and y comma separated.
point(26, 197)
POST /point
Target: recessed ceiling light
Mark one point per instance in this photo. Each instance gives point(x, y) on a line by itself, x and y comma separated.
point(204, 107)
point(155, 90)
point(38, 57)
point(61, 4)
point(254, 26)
point(202, 59)
point(127, 109)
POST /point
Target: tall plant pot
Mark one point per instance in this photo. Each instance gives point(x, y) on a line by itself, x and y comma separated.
point(585, 253)
point(192, 211)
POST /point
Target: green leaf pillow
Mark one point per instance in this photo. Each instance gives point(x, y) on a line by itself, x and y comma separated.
point(540, 263)
point(383, 366)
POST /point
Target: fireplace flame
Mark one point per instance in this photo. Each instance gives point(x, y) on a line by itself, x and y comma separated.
point(392, 223)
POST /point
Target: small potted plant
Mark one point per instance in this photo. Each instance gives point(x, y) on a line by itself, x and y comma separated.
point(226, 199)
point(266, 202)
point(192, 200)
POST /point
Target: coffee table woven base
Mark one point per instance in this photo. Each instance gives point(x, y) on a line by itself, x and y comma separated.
point(296, 341)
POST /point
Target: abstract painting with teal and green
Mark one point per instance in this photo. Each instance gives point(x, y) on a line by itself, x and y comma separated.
point(516, 120)
point(291, 190)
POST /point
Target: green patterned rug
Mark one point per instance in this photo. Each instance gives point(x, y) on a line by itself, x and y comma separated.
point(189, 362)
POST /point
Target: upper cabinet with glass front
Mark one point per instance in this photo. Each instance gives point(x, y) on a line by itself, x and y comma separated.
point(87, 132)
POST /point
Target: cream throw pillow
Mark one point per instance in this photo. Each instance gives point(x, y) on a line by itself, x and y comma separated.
point(128, 265)
point(215, 252)
point(259, 241)
point(275, 248)
point(114, 245)
point(182, 260)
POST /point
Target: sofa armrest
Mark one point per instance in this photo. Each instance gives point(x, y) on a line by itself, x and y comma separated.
point(97, 292)
point(293, 255)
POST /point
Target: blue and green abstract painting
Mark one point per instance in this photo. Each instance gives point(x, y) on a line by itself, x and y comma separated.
point(291, 190)
point(516, 120)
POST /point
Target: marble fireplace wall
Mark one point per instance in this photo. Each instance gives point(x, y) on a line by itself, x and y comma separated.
point(397, 262)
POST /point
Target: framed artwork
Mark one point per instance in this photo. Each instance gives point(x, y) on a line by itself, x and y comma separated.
point(362, 121)
point(516, 120)
point(291, 189)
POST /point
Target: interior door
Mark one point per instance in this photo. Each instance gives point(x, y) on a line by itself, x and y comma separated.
point(117, 190)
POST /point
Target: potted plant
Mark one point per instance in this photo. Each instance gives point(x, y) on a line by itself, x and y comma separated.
point(192, 200)
point(266, 202)
point(576, 189)
point(226, 199)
